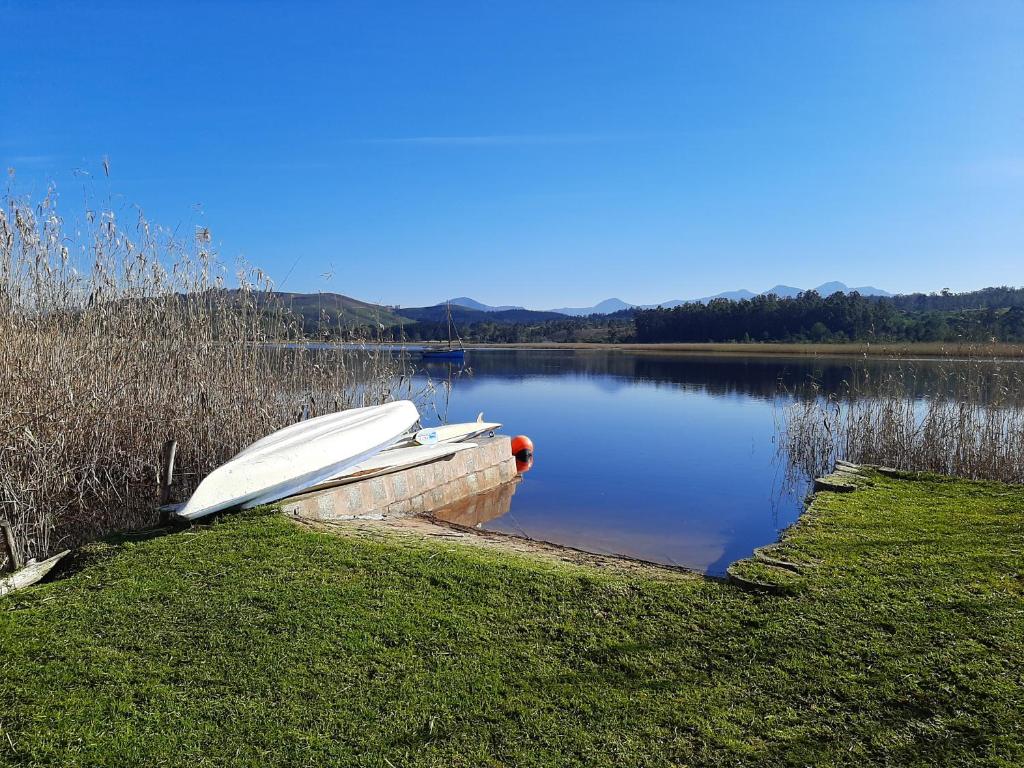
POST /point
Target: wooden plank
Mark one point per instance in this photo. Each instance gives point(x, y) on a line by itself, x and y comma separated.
point(30, 574)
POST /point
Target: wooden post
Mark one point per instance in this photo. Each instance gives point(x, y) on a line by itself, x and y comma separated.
point(167, 455)
point(12, 545)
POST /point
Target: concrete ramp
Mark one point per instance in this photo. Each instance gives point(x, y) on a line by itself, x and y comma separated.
point(417, 490)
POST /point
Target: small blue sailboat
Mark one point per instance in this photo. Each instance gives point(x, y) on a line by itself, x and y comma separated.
point(444, 354)
point(451, 352)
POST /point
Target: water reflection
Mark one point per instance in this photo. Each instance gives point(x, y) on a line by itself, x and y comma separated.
point(671, 460)
point(762, 377)
point(476, 510)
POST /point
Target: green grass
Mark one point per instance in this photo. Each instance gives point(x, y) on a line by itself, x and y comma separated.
point(255, 642)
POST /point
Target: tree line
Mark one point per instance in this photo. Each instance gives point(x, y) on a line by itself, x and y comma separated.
point(600, 329)
point(840, 317)
point(1000, 297)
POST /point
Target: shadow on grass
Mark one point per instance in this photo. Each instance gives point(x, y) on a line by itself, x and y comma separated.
point(109, 546)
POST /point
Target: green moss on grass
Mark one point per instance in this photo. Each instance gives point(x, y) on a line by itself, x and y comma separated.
point(255, 642)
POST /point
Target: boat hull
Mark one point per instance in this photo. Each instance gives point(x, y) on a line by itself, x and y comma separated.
point(444, 354)
point(300, 456)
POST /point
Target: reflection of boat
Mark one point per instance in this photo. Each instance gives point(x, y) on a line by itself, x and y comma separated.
point(300, 456)
point(445, 370)
point(451, 352)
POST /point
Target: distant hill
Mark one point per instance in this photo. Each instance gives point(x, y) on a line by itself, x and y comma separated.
point(462, 314)
point(827, 289)
point(465, 301)
point(784, 291)
point(605, 307)
point(338, 308)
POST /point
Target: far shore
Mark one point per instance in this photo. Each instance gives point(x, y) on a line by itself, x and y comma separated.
point(850, 349)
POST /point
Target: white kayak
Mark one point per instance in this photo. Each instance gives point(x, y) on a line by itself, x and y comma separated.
point(298, 457)
point(454, 433)
point(395, 459)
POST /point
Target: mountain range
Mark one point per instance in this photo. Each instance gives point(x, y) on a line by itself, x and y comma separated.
point(465, 301)
point(337, 309)
point(609, 306)
point(605, 307)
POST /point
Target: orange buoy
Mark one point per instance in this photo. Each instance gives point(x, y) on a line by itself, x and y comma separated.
point(522, 447)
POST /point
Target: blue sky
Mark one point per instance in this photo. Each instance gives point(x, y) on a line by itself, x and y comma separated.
point(546, 154)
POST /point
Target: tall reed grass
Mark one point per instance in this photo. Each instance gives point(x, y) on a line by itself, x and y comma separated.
point(117, 336)
point(966, 420)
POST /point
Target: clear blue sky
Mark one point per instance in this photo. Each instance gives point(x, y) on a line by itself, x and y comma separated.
point(545, 153)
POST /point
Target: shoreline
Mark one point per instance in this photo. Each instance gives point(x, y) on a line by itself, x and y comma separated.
point(938, 350)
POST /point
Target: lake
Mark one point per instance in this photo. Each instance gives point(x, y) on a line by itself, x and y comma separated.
point(669, 458)
point(662, 456)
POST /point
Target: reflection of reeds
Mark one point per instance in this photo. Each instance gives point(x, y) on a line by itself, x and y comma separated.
point(970, 422)
point(114, 339)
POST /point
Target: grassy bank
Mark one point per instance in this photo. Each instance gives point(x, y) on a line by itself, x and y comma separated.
point(255, 642)
point(850, 349)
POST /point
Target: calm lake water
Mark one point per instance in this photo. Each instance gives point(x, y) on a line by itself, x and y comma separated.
point(668, 458)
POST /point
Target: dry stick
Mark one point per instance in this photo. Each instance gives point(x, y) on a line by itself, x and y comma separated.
point(168, 453)
point(12, 547)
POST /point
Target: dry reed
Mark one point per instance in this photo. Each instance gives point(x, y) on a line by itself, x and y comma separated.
point(114, 339)
point(965, 420)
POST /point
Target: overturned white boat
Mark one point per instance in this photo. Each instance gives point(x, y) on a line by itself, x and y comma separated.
point(299, 457)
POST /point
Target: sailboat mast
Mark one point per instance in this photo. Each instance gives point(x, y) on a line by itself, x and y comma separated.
point(449, 325)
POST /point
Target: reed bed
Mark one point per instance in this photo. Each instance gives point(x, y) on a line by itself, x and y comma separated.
point(115, 338)
point(965, 420)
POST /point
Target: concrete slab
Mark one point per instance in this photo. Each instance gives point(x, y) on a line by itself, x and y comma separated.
point(417, 490)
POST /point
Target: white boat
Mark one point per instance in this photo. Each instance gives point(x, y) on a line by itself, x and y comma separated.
point(395, 459)
point(305, 430)
point(454, 433)
point(298, 457)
